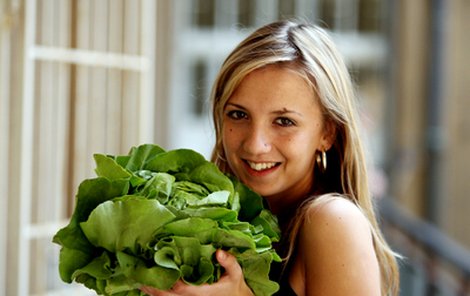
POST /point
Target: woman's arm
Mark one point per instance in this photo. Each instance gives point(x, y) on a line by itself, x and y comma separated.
point(336, 253)
point(231, 283)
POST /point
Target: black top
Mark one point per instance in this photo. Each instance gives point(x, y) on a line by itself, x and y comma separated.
point(279, 271)
point(285, 289)
point(276, 274)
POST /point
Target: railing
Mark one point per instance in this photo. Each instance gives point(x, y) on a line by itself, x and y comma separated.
point(434, 264)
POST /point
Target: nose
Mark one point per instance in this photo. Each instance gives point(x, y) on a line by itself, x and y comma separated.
point(257, 141)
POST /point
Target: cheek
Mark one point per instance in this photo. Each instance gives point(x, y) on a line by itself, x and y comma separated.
point(228, 138)
point(303, 144)
point(226, 132)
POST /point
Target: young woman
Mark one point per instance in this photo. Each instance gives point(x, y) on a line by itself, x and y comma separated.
point(286, 126)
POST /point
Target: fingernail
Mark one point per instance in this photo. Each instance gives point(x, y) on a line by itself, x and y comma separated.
point(221, 255)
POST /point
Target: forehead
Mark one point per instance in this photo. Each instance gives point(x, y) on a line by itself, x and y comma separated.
point(274, 86)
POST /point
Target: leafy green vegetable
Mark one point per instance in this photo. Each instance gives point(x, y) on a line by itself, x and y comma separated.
point(122, 225)
point(153, 217)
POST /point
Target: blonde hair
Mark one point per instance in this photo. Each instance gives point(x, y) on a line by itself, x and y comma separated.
point(310, 52)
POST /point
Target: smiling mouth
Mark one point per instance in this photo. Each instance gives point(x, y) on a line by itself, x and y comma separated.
point(261, 166)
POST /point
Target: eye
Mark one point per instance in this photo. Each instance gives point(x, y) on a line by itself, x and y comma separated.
point(237, 114)
point(284, 121)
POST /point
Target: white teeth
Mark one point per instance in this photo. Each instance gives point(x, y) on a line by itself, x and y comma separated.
point(259, 166)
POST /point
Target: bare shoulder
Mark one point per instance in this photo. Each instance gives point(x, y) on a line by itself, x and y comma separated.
point(336, 225)
point(336, 249)
point(335, 213)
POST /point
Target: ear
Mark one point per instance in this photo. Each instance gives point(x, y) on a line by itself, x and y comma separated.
point(329, 135)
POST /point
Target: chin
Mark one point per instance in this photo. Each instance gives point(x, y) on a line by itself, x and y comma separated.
point(263, 191)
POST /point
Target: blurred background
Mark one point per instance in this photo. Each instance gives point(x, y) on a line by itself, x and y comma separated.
point(79, 77)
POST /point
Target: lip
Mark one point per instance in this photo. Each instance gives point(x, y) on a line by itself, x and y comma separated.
point(263, 172)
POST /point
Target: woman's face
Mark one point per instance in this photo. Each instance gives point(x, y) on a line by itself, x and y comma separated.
point(272, 126)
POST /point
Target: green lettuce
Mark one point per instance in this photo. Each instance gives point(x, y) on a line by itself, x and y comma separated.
point(153, 217)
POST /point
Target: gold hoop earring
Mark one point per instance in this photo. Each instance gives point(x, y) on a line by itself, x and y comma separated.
point(321, 160)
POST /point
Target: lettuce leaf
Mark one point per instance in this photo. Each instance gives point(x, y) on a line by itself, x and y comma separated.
point(125, 224)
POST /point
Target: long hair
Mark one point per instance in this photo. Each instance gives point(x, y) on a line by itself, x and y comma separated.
point(310, 51)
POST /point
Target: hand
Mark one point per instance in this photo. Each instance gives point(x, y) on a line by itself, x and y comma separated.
point(231, 282)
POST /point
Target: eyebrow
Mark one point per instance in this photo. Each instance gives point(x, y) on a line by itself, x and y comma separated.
point(284, 110)
point(234, 105)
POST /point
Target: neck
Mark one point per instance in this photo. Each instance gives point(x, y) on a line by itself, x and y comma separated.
point(284, 212)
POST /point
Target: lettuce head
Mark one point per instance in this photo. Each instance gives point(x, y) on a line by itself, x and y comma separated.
point(153, 217)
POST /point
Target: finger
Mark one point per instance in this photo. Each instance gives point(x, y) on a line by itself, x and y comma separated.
point(179, 287)
point(233, 273)
point(155, 292)
point(229, 263)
